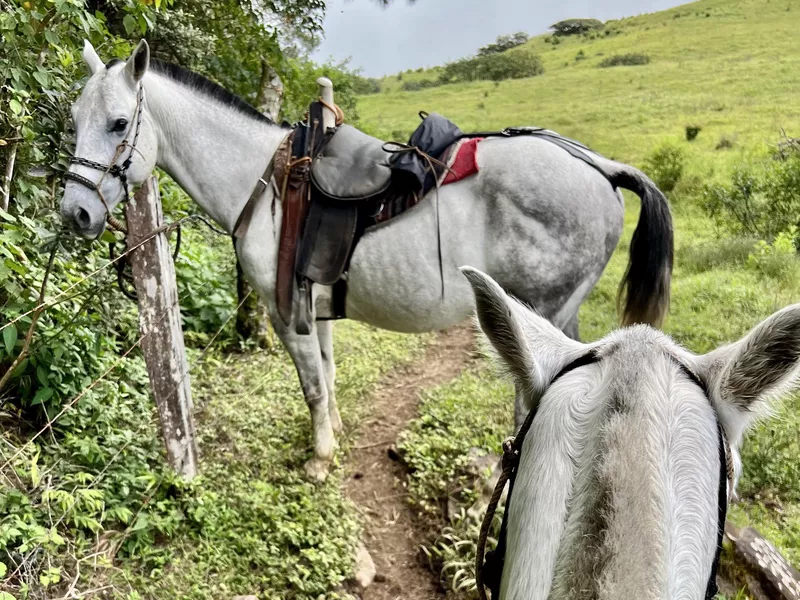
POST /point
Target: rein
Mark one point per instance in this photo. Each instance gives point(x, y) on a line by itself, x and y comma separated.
point(489, 573)
point(120, 171)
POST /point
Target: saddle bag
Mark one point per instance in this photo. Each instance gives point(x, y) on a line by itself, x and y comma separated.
point(433, 136)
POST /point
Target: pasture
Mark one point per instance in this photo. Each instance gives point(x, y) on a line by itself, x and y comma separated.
point(91, 508)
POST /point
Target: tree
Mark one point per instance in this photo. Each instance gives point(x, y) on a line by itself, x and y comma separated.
point(576, 26)
point(503, 43)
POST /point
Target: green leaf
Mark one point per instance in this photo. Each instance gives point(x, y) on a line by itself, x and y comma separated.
point(16, 107)
point(51, 37)
point(108, 237)
point(3, 569)
point(43, 395)
point(6, 596)
point(130, 24)
point(10, 337)
point(42, 375)
point(16, 267)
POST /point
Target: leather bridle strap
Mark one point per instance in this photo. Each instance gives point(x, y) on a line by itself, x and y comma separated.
point(512, 449)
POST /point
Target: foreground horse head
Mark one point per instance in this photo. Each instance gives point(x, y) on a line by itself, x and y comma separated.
point(619, 481)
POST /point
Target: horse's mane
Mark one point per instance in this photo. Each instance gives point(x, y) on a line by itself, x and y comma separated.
point(203, 85)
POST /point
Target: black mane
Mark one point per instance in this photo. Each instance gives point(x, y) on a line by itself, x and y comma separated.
point(203, 85)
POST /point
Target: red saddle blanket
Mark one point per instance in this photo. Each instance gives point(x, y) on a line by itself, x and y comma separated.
point(461, 160)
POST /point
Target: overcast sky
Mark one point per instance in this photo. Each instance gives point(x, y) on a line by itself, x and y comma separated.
point(382, 41)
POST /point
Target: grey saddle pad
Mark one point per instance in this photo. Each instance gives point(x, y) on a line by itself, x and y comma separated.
point(351, 166)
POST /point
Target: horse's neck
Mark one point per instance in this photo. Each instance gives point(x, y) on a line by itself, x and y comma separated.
point(215, 153)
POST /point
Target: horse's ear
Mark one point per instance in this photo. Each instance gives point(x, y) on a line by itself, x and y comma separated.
point(91, 58)
point(531, 347)
point(137, 64)
point(761, 366)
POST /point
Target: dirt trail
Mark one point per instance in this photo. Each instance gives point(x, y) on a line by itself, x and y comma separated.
point(375, 482)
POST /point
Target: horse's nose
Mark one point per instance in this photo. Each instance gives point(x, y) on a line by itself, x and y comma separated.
point(78, 215)
point(82, 218)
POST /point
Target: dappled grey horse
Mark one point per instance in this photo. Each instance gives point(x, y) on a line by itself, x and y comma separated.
point(631, 452)
point(539, 221)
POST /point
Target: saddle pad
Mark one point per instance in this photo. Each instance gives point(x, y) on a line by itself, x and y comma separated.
point(351, 166)
point(461, 160)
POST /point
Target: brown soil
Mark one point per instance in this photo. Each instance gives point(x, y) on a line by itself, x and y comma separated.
point(376, 483)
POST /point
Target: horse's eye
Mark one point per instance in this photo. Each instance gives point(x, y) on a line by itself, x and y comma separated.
point(119, 125)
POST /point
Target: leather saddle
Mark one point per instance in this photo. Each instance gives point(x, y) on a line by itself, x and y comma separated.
point(351, 166)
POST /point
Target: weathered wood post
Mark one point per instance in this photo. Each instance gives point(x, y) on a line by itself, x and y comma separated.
point(160, 320)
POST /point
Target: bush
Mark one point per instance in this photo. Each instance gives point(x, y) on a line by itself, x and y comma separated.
point(580, 55)
point(627, 60)
point(366, 85)
point(576, 26)
point(692, 131)
point(724, 143)
point(761, 200)
point(665, 166)
point(515, 64)
point(778, 259)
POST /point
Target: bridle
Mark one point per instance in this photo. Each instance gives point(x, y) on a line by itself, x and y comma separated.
point(489, 573)
point(120, 171)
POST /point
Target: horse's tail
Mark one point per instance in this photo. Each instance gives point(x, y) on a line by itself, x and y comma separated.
point(645, 289)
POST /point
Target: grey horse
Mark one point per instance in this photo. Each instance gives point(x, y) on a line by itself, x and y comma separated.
point(632, 451)
point(541, 222)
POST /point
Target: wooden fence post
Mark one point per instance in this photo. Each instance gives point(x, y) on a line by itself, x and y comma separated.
point(160, 319)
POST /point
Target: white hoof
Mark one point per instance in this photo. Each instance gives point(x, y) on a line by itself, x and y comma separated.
point(317, 469)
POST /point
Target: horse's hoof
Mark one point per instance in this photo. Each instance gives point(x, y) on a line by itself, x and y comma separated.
point(317, 469)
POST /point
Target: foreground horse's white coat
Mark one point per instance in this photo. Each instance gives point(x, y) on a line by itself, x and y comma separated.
point(616, 493)
point(541, 222)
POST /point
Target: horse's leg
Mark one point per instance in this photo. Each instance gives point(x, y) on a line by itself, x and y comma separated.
point(325, 336)
point(307, 357)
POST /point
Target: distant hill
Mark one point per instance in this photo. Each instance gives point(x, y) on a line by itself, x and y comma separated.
point(731, 67)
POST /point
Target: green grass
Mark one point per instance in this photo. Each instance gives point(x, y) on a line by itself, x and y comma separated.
point(735, 73)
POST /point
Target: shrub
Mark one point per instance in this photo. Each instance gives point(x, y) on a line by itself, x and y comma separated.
point(580, 55)
point(627, 60)
point(724, 142)
point(366, 85)
point(665, 166)
point(576, 26)
point(778, 259)
point(761, 200)
point(692, 131)
point(494, 67)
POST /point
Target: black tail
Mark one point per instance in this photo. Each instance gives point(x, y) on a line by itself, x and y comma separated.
point(645, 290)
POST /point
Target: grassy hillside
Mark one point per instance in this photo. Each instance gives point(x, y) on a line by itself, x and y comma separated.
point(730, 66)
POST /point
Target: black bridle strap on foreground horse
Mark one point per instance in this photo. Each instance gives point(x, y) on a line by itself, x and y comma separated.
point(489, 573)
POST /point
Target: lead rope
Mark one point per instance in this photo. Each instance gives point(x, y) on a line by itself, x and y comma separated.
point(510, 462)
